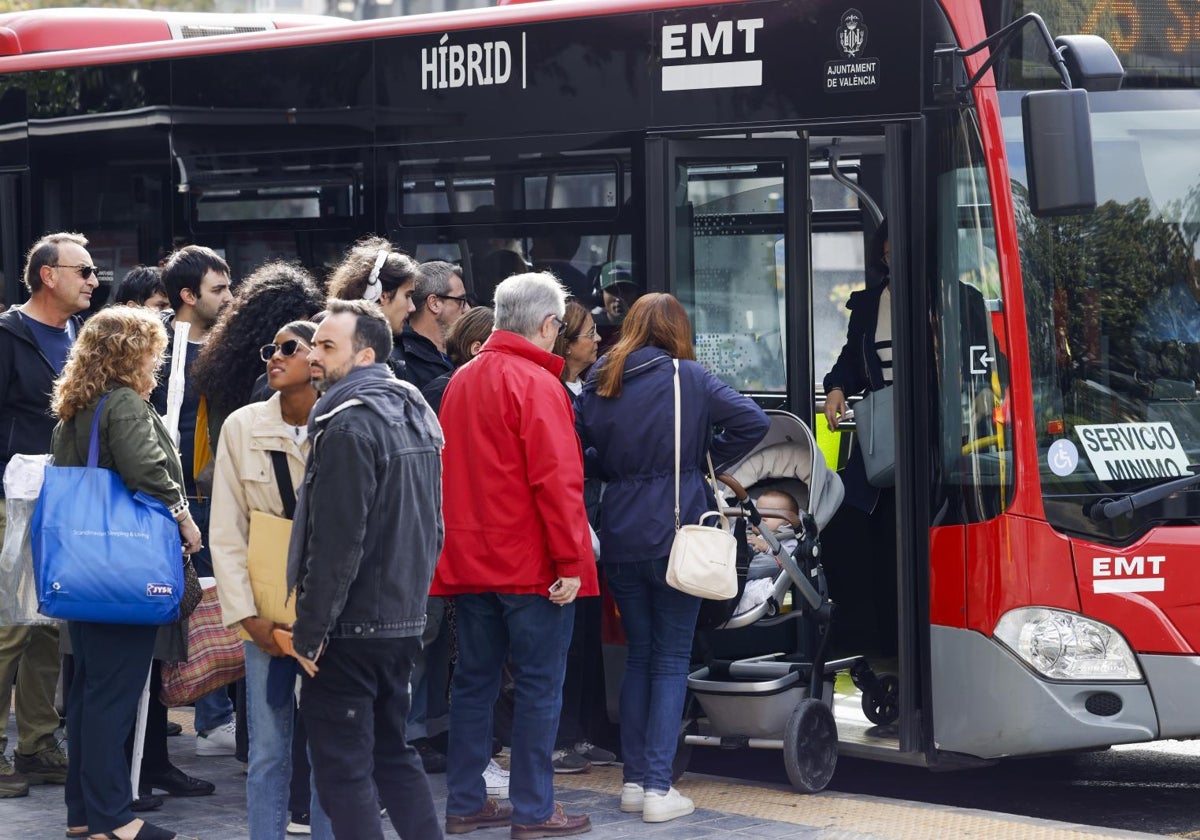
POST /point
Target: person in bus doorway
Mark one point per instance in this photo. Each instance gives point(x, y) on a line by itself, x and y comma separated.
point(617, 292)
point(864, 528)
point(626, 421)
point(517, 555)
point(374, 271)
point(583, 685)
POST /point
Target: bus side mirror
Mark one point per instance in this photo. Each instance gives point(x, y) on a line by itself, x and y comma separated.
point(1058, 152)
point(1091, 62)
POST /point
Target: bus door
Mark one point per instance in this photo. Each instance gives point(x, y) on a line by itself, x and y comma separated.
point(734, 248)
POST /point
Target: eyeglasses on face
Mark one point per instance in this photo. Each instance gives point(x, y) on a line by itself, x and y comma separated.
point(461, 300)
point(85, 271)
point(589, 334)
point(285, 349)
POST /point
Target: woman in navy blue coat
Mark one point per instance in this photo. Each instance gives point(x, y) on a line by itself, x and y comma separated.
point(626, 422)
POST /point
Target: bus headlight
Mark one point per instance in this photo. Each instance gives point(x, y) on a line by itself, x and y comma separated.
point(1062, 645)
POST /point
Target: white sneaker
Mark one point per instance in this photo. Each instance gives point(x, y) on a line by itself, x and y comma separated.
point(632, 797)
point(219, 741)
point(496, 779)
point(661, 807)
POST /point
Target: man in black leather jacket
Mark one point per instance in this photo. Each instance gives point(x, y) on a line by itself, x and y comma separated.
point(367, 533)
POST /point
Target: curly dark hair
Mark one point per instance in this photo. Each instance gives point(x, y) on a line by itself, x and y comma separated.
point(273, 295)
point(348, 281)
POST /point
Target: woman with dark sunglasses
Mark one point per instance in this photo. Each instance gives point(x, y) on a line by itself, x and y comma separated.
point(263, 444)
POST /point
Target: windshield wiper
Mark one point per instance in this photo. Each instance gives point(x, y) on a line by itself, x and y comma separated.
point(1105, 509)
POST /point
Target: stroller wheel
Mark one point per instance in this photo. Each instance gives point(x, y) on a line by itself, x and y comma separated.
point(881, 704)
point(810, 746)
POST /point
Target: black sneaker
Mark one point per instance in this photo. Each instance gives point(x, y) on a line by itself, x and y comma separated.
point(432, 760)
point(596, 755)
point(49, 766)
point(176, 783)
point(569, 761)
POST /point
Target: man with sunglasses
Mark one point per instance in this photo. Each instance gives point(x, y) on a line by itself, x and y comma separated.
point(35, 339)
point(440, 299)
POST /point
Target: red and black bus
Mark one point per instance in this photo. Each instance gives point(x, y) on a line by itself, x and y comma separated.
point(740, 155)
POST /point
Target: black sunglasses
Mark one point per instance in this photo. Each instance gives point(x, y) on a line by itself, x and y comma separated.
point(461, 300)
point(285, 349)
point(85, 271)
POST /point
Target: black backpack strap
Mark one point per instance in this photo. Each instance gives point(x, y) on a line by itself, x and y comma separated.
point(283, 478)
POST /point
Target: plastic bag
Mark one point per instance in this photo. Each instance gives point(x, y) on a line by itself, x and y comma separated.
point(22, 483)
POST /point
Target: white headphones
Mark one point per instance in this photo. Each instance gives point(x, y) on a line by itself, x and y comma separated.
point(374, 290)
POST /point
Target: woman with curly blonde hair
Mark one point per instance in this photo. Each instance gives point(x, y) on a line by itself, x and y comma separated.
point(112, 369)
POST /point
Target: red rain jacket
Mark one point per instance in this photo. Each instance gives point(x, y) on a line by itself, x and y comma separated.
point(512, 476)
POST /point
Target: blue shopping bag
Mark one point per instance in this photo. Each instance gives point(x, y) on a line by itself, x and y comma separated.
point(102, 553)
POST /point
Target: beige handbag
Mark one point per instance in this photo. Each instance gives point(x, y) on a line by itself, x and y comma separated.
point(703, 559)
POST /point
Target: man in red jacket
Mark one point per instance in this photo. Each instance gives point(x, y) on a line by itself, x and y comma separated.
point(517, 554)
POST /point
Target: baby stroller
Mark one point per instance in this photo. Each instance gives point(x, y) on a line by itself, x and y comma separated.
point(779, 700)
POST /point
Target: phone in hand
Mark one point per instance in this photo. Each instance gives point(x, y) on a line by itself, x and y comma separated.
point(283, 638)
point(554, 587)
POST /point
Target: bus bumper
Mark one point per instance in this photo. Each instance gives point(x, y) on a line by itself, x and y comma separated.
point(1175, 684)
point(987, 703)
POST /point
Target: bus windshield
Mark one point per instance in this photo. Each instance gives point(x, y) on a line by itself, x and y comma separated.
point(1113, 304)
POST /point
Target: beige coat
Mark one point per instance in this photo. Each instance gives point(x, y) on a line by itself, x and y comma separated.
point(244, 481)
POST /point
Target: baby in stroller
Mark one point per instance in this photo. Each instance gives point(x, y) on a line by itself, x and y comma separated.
point(763, 564)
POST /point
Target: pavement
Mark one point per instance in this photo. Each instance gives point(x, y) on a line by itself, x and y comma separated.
point(725, 809)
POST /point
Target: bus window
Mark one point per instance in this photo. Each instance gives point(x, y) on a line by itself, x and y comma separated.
point(1113, 306)
point(971, 367)
point(732, 280)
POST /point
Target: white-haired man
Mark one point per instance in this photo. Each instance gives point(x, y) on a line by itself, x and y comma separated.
point(516, 556)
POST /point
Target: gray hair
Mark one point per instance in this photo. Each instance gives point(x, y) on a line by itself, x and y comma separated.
point(433, 278)
point(524, 301)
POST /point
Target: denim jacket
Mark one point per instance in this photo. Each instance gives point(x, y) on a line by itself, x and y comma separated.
point(368, 526)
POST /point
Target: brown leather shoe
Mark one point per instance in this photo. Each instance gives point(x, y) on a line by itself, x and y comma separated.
point(491, 815)
point(561, 824)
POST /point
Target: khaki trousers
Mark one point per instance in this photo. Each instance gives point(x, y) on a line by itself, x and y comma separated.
point(35, 650)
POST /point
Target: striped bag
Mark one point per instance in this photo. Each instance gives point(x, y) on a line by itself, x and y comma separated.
point(215, 657)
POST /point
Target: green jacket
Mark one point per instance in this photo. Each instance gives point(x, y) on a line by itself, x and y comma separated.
point(136, 445)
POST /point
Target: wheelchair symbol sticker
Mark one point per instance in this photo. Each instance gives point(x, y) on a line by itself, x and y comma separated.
point(1063, 457)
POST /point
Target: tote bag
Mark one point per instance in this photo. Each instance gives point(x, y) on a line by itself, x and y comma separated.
point(703, 559)
point(877, 436)
point(216, 656)
point(266, 553)
point(100, 552)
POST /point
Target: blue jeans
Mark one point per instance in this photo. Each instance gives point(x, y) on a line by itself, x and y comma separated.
point(659, 622)
point(270, 771)
point(537, 633)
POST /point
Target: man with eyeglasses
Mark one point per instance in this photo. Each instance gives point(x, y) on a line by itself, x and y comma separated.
point(35, 339)
point(517, 554)
point(440, 299)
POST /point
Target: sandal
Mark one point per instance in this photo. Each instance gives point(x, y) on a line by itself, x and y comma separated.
point(76, 833)
point(148, 831)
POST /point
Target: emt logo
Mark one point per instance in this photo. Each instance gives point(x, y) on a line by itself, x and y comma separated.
point(1128, 574)
point(688, 48)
